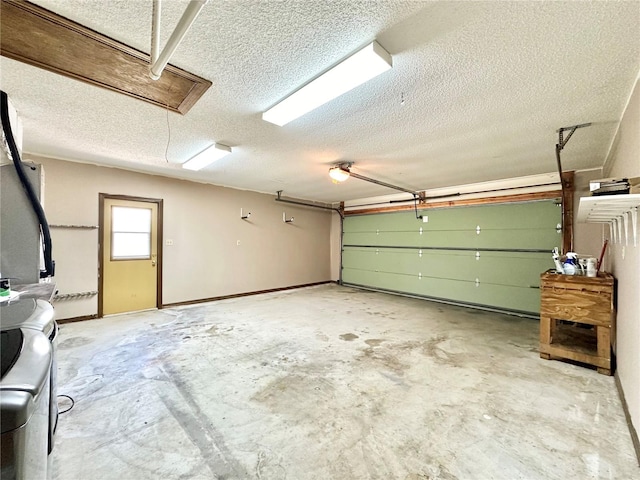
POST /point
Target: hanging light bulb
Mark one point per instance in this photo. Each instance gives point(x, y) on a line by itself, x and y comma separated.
point(339, 173)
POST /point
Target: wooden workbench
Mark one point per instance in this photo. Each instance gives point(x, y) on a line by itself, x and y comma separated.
point(577, 319)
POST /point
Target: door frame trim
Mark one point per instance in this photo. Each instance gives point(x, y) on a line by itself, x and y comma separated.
point(107, 196)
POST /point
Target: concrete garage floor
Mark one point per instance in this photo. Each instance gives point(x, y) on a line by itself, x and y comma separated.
point(330, 382)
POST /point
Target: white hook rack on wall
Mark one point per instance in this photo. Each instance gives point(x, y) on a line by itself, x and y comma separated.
point(616, 210)
point(243, 216)
point(285, 220)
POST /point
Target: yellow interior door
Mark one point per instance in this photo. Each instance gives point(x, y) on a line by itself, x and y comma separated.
point(130, 256)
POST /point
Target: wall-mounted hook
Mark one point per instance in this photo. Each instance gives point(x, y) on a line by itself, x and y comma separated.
point(285, 220)
point(244, 217)
point(634, 225)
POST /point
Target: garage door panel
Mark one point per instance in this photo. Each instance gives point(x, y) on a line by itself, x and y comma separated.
point(497, 265)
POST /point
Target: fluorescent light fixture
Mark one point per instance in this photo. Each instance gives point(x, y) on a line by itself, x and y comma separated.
point(339, 173)
point(363, 65)
point(207, 157)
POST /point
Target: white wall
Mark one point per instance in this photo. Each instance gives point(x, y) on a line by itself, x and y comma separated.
point(624, 161)
point(587, 237)
point(336, 247)
point(204, 223)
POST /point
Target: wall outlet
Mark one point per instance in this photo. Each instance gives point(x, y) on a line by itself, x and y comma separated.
point(168, 242)
point(238, 243)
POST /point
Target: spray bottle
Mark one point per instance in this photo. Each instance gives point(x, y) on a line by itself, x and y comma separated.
point(556, 260)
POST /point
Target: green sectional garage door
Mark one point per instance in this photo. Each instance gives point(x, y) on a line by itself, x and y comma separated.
point(489, 255)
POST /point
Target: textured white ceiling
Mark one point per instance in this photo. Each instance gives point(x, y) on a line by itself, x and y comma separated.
point(486, 86)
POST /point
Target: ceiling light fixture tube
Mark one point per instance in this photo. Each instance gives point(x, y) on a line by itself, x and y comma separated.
point(360, 67)
point(207, 157)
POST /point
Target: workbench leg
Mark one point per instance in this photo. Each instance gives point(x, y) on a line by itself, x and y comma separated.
point(604, 347)
point(545, 335)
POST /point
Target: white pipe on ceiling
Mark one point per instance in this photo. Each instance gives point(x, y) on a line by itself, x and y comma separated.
point(155, 30)
point(188, 17)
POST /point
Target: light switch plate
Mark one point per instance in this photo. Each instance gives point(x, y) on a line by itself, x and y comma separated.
point(168, 242)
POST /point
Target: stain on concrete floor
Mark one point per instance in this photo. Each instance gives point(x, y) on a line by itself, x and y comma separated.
point(348, 337)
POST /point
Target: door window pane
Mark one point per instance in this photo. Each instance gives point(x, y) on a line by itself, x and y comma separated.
point(130, 245)
point(130, 233)
point(128, 219)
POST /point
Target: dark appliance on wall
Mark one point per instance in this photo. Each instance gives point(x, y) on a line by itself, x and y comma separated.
point(24, 223)
point(28, 406)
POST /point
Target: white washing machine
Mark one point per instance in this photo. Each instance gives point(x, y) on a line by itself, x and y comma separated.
point(28, 405)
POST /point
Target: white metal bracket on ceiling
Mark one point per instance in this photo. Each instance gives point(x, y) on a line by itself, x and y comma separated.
point(160, 60)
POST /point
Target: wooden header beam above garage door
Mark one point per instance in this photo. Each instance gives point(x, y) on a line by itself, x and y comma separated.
point(39, 37)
